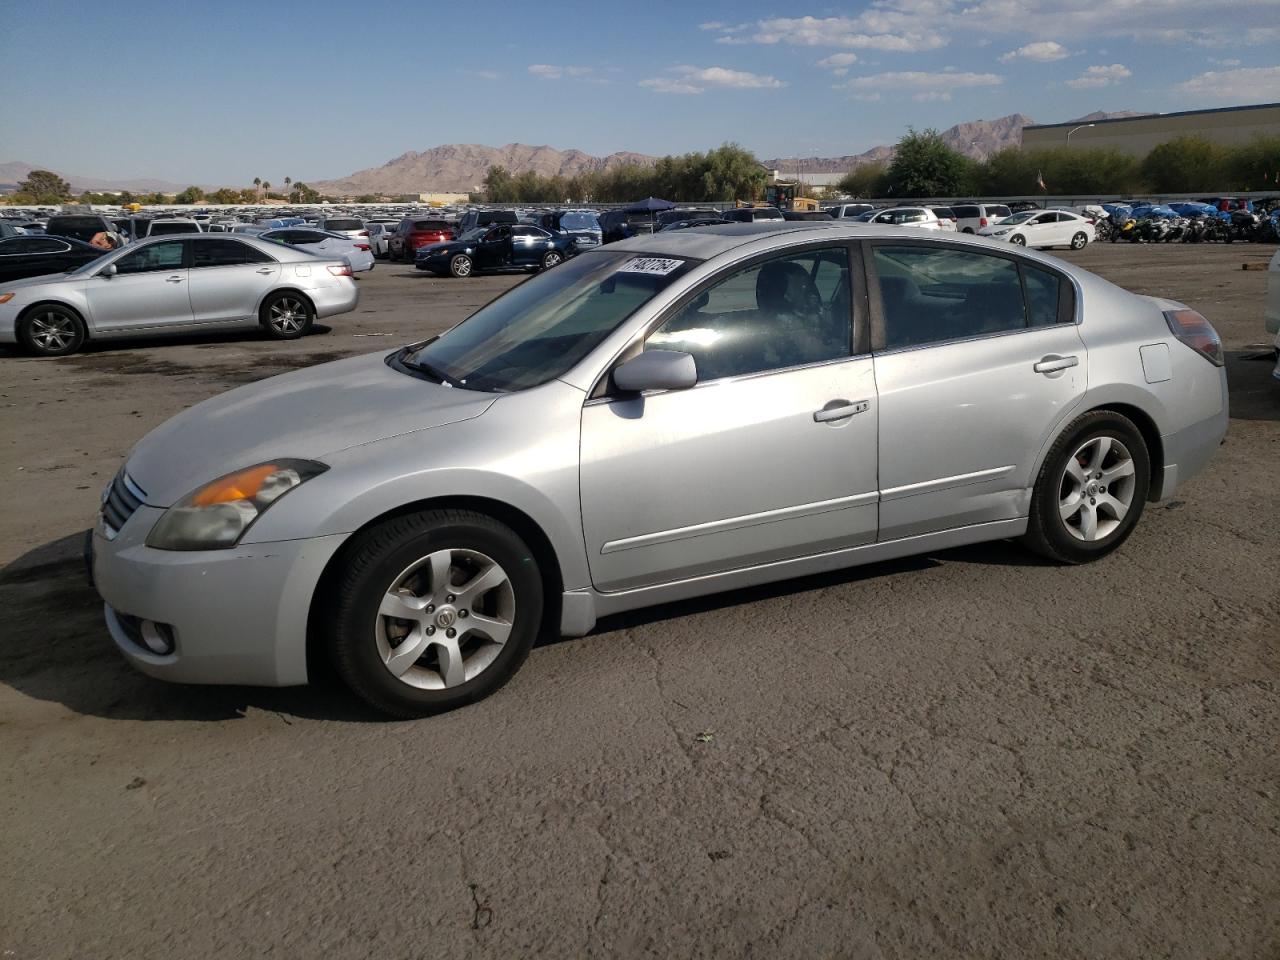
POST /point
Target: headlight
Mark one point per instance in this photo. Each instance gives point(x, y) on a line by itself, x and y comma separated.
point(217, 515)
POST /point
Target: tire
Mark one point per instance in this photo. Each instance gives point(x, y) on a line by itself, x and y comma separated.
point(552, 258)
point(396, 566)
point(461, 266)
point(1018, 239)
point(1101, 442)
point(1079, 241)
point(967, 230)
point(286, 315)
point(52, 331)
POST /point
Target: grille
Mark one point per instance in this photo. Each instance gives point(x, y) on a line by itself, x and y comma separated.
point(123, 498)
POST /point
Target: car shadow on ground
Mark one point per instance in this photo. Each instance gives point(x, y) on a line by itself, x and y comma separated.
point(54, 645)
point(1255, 395)
point(198, 339)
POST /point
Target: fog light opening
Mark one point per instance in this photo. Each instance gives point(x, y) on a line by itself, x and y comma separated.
point(158, 637)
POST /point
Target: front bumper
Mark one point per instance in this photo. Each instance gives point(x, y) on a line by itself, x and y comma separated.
point(237, 616)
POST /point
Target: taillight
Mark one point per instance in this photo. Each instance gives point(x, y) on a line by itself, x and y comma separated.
point(1197, 333)
point(362, 246)
point(342, 271)
point(364, 233)
point(982, 221)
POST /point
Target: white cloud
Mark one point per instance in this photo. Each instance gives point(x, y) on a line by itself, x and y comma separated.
point(863, 31)
point(712, 25)
point(1042, 51)
point(921, 85)
point(550, 71)
point(838, 63)
point(686, 79)
point(1228, 62)
point(488, 74)
point(1249, 84)
point(1100, 76)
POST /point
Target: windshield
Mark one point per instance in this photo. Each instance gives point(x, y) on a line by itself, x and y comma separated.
point(579, 221)
point(474, 234)
point(1020, 217)
point(540, 329)
point(339, 223)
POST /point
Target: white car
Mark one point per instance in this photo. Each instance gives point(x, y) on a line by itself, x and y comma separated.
point(921, 217)
point(379, 239)
point(1043, 228)
point(168, 226)
point(972, 217)
point(352, 228)
point(324, 244)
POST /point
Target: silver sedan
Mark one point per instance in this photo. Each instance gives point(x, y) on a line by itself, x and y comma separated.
point(669, 416)
point(174, 283)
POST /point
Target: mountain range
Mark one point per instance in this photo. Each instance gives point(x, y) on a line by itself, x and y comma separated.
point(461, 167)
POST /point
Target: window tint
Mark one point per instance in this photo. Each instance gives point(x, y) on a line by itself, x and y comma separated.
point(430, 225)
point(1042, 295)
point(766, 317)
point(160, 228)
point(225, 253)
point(343, 223)
point(966, 212)
point(998, 210)
point(933, 294)
point(155, 256)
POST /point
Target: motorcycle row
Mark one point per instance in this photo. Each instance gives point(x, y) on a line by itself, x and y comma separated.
point(1188, 223)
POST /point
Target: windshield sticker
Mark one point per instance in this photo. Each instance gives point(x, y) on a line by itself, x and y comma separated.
point(654, 266)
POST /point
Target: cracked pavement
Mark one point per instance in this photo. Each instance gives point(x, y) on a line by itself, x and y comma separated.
point(965, 754)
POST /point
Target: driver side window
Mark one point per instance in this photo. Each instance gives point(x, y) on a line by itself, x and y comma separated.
point(780, 313)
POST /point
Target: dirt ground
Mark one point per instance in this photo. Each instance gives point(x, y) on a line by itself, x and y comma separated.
point(967, 754)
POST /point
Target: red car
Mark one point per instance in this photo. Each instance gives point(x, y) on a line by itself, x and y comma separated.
point(415, 232)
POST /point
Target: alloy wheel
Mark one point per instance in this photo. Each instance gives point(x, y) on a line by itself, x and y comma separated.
point(288, 315)
point(1096, 489)
point(445, 619)
point(52, 331)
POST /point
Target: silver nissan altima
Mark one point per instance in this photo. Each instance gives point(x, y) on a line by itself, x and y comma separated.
point(669, 416)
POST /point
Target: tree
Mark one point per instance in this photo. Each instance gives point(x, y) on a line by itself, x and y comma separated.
point(1256, 165)
point(1185, 163)
point(304, 193)
point(266, 187)
point(189, 196)
point(43, 186)
point(287, 181)
point(257, 184)
point(224, 195)
point(366, 198)
point(866, 180)
point(924, 166)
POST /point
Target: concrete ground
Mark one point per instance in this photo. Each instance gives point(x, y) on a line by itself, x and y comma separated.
point(966, 754)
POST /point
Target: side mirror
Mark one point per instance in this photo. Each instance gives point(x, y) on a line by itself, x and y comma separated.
point(108, 271)
point(656, 370)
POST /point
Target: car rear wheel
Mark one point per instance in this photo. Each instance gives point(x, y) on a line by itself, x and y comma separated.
point(1079, 241)
point(1019, 239)
point(286, 316)
point(967, 230)
point(1091, 489)
point(52, 331)
point(551, 259)
point(433, 610)
point(461, 265)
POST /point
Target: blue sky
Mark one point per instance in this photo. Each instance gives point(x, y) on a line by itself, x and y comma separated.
point(223, 91)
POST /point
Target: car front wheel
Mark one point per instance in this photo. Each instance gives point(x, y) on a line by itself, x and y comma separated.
point(1091, 489)
point(52, 331)
point(1018, 239)
point(1079, 241)
point(461, 266)
point(433, 610)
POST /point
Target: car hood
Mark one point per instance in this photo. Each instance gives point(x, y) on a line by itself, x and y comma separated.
point(307, 414)
point(11, 286)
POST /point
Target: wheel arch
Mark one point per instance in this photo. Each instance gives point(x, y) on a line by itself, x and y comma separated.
point(520, 522)
point(52, 302)
point(1140, 418)
point(274, 291)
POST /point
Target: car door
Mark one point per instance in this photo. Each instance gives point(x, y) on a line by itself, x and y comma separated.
point(772, 455)
point(148, 289)
point(494, 248)
point(228, 279)
point(1042, 230)
point(978, 363)
point(527, 246)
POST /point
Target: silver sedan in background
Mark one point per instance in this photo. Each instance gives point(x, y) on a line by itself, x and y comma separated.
point(668, 416)
point(174, 283)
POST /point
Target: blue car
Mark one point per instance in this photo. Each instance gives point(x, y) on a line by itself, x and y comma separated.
point(501, 247)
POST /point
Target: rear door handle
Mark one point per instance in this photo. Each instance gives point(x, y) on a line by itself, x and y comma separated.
point(840, 410)
point(1054, 363)
point(264, 270)
point(174, 280)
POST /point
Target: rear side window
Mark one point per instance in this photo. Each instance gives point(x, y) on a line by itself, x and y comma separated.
point(998, 210)
point(341, 223)
point(965, 212)
point(225, 253)
point(1043, 296)
point(944, 213)
point(933, 294)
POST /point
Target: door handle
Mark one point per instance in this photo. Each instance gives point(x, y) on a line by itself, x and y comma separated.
point(264, 270)
point(840, 410)
point(173, 280)
point(1054, 363)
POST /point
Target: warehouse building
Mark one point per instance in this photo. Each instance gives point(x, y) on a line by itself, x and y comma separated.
point(1137, 136)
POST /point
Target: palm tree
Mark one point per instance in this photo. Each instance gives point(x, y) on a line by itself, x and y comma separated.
point(257, 183)
point(287, 181)
point(266, 187)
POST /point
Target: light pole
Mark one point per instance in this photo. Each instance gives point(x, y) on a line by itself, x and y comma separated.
point(1074, 129)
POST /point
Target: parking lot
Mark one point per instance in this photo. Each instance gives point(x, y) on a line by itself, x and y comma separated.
point(970, 753)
